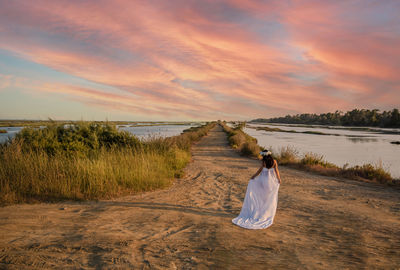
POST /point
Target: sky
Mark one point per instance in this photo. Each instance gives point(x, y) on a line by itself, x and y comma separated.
point(196, 60)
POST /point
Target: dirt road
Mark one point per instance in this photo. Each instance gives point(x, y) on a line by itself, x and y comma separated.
point(321, 223)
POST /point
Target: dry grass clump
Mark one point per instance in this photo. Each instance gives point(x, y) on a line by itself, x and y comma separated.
point(250, 149)
point(287, 155)
point(3, 131)
point(89, 162)
point(369, 171)
point(311, 159)
point(238, 139)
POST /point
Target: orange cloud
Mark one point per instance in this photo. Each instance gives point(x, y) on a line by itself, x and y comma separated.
point(237, 59)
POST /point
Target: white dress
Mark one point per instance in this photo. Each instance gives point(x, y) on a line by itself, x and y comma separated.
point(259, 205)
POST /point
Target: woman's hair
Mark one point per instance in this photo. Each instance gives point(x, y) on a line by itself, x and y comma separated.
point(268, 161)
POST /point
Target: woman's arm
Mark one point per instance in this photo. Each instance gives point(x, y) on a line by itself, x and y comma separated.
point(257, 173)
point(277, 171)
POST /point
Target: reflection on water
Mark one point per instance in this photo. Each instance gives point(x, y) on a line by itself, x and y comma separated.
point(355, 147)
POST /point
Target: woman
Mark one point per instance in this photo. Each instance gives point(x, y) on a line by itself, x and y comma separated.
point(260, 202)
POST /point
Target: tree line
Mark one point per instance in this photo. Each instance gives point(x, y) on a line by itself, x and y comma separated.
point(356, 117)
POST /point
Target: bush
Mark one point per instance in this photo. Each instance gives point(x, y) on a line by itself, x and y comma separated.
point(250, 149)
point(80, 138)
point(237, 139)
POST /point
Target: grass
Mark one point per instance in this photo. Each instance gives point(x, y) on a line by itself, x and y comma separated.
point(3, 131)
point(310, 159)
point(369, 171)
point(311, 162)
point(269, 129)
point(238, 139)
point(89, 161)
point(319, 133)
point(287, 156)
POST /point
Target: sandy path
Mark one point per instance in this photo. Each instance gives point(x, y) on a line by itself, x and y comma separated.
point(321, 223)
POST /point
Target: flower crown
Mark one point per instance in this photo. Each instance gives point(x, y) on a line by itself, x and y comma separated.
point(265, 153)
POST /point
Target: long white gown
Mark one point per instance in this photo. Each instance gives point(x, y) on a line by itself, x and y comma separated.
point(259, 205)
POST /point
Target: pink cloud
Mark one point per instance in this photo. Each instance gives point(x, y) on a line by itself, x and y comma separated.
point(355, 47)
point(8, 81)
point(214, 58)
point(5, 81)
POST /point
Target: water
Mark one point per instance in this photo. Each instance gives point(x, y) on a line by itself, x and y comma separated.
point(11, 132)
point(145, 132)
point(352, 147)
point(142, 132)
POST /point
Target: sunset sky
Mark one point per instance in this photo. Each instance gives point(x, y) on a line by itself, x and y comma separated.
point(196, 60)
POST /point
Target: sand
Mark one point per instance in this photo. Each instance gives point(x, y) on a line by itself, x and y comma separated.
point(321, 223)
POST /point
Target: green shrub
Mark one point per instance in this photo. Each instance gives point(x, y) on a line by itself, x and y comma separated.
point(79, 138)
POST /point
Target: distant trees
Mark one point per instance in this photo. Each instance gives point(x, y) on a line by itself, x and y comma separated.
point(355, 117)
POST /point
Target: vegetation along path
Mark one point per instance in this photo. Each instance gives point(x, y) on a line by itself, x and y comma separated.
point(321, 223)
